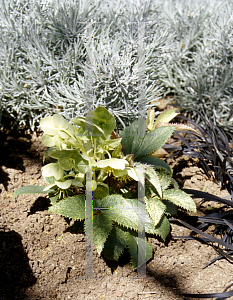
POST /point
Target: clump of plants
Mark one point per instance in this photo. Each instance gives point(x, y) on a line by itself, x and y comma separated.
point(116, 162)
point(212, 145)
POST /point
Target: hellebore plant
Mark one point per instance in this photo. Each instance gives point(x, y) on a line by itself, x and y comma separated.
point(116, 163)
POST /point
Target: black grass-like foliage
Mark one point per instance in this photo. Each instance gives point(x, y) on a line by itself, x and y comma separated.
point(213, 146)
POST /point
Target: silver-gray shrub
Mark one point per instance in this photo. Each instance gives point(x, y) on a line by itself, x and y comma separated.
point(43, 58)
point(44, 68)
point(199, 70)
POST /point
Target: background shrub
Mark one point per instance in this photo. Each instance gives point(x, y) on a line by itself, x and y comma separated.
point(43, 66)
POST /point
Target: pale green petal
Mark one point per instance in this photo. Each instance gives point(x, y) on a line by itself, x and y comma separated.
point(47, 170)
point(47, 126)
point(114, 163)
point(52, 169)
point(132, 173)
point(117, 163)
point(60, 122)
point(57, 141)
point(63, 135)
point(119, 173)
point(48, 140)
point(79, 177)
point(63, 184)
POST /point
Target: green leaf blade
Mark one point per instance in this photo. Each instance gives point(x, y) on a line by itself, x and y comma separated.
point(154, 161)
point(30, 189)
point(155, 208)
point(180, 198)
point(163, 228)
point(152, 176)
point(132, 248)
point(116, 243)
point(71, 207)
point(121, 210)
point(154, 140)
point(102, 225)
point(131, 139)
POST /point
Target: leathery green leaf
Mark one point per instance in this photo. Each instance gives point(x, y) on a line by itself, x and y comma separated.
point(154, 161)
point(102, 225)
point(71, 207)
point(166, 116)
point(152, 176)
point(30, 189)
point(122, 211)
point(164, 178)
point(163, 228)
point(132, 248)
point(101, 191)
point(180, 198)
point(116, 243)
point(155, 208)
point(154, 140)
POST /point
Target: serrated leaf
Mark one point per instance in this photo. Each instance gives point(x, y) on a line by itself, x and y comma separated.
point(155, 208)
point(152, 176)
point(180, 198)
point(166, 116)
point(154, 140)
point(154, 161)
point(102, 225)
point(71, 207)
point(128, 137)
point(171, 209)
point(175, 184)
point(148, 222)
point(30, 189)
point(131, 139)
point(132, 248)
point(116, 243)
point(121, 211)
point(150, 190)
point(164, 178)
point(163, 228)
point(139, 136)
point(179, 127)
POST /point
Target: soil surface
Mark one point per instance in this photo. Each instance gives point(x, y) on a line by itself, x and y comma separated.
point(42, 255)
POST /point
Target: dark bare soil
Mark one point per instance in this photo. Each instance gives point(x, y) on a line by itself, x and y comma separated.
point(42, 256)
